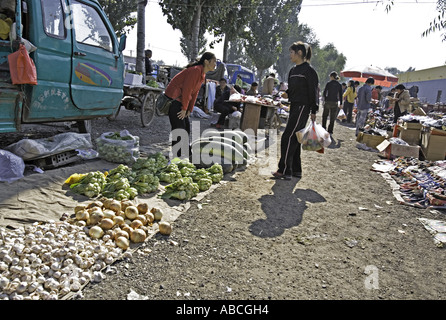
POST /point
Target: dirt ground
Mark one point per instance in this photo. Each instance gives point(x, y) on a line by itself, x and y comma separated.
point(338, 233)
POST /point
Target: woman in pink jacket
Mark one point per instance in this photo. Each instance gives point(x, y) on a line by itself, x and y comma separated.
point(183, 89)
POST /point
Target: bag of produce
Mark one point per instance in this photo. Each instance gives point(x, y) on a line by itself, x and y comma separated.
point(341, 115)
point(313, 137)
point(12, 167)
point(118, 147)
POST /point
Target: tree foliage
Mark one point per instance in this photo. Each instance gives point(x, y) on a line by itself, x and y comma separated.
point(439, 22)
point(263, 40)
point(121, 14)
point(187, 47)
point(237, 54)
point(298, 32)
point(192, 18)
point(325, 60)
point(257, 33)
point(231, 25)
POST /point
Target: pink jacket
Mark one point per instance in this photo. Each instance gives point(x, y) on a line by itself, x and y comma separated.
point(185, 86)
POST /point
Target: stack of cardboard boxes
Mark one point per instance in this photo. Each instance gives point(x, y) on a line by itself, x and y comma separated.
point(431, 141)
point(408, 132)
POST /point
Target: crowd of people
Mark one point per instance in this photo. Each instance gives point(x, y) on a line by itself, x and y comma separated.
point(302, 91)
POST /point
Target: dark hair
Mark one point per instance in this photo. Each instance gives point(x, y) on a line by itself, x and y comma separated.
point(304, 47)
point(237, 87)
point(272, 74)
point(378, 87)
point(352, 85)
point(334, 74)
point(370, 80)
point(205, 56)
point(254, 84)
point(400, 87)
point(223, 79)
point(356, 83)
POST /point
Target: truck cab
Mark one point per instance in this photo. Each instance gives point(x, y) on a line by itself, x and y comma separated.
point(79, 63)
point(235, 70)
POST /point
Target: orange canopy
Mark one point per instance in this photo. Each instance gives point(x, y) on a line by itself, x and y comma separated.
point(382, 83)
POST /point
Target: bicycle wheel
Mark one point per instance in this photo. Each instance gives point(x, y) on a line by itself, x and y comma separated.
point(148, 109)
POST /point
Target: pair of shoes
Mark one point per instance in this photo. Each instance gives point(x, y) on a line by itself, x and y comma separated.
point(278, 176)
point(297, 174)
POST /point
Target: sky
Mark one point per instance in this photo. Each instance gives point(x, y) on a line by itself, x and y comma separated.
point(361, 30)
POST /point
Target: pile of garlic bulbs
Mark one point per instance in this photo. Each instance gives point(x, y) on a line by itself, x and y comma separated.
point(48, 261)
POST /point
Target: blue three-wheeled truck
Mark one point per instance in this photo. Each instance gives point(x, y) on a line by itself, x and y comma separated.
point(78, 60)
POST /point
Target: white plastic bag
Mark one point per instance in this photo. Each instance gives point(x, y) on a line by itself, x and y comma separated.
point(118, 147)
point(313, 137)
point(341, 115)
point(12, 167)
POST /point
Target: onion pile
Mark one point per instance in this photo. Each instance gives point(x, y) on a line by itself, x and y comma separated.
point(122, 221)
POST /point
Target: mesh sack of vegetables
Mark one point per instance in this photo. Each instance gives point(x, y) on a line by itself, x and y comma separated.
point(118, 147)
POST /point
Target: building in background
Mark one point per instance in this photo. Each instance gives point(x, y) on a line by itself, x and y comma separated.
point(431, 84)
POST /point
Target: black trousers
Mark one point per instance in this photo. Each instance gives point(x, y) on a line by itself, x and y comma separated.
point(396, 113)
point(224, 109)
point(330, 112)
point(290, 148)
point(348, 109)
point(180, 131)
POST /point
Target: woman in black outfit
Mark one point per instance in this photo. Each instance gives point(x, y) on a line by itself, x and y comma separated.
point(303, 94)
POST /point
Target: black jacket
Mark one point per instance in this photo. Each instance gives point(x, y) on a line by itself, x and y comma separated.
point(333, 91)
point(303, 86)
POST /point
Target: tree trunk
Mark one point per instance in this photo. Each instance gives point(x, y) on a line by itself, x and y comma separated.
point(196, 31)
point(225, 49)
point(141, 38)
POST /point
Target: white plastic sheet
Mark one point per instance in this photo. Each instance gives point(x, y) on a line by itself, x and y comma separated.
point(29, 149)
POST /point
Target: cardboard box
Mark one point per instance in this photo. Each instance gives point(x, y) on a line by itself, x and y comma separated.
point(412, 125)
point(438, 132)
point(411, 136)
point(419, 112)
point(392, 150)
point(370, 140)
point(434, 147)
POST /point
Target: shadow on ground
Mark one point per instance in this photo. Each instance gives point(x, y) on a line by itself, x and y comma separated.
point(276, 208)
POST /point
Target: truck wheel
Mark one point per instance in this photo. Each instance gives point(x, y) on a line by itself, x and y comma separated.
point(148, 109)
point(84, 126)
